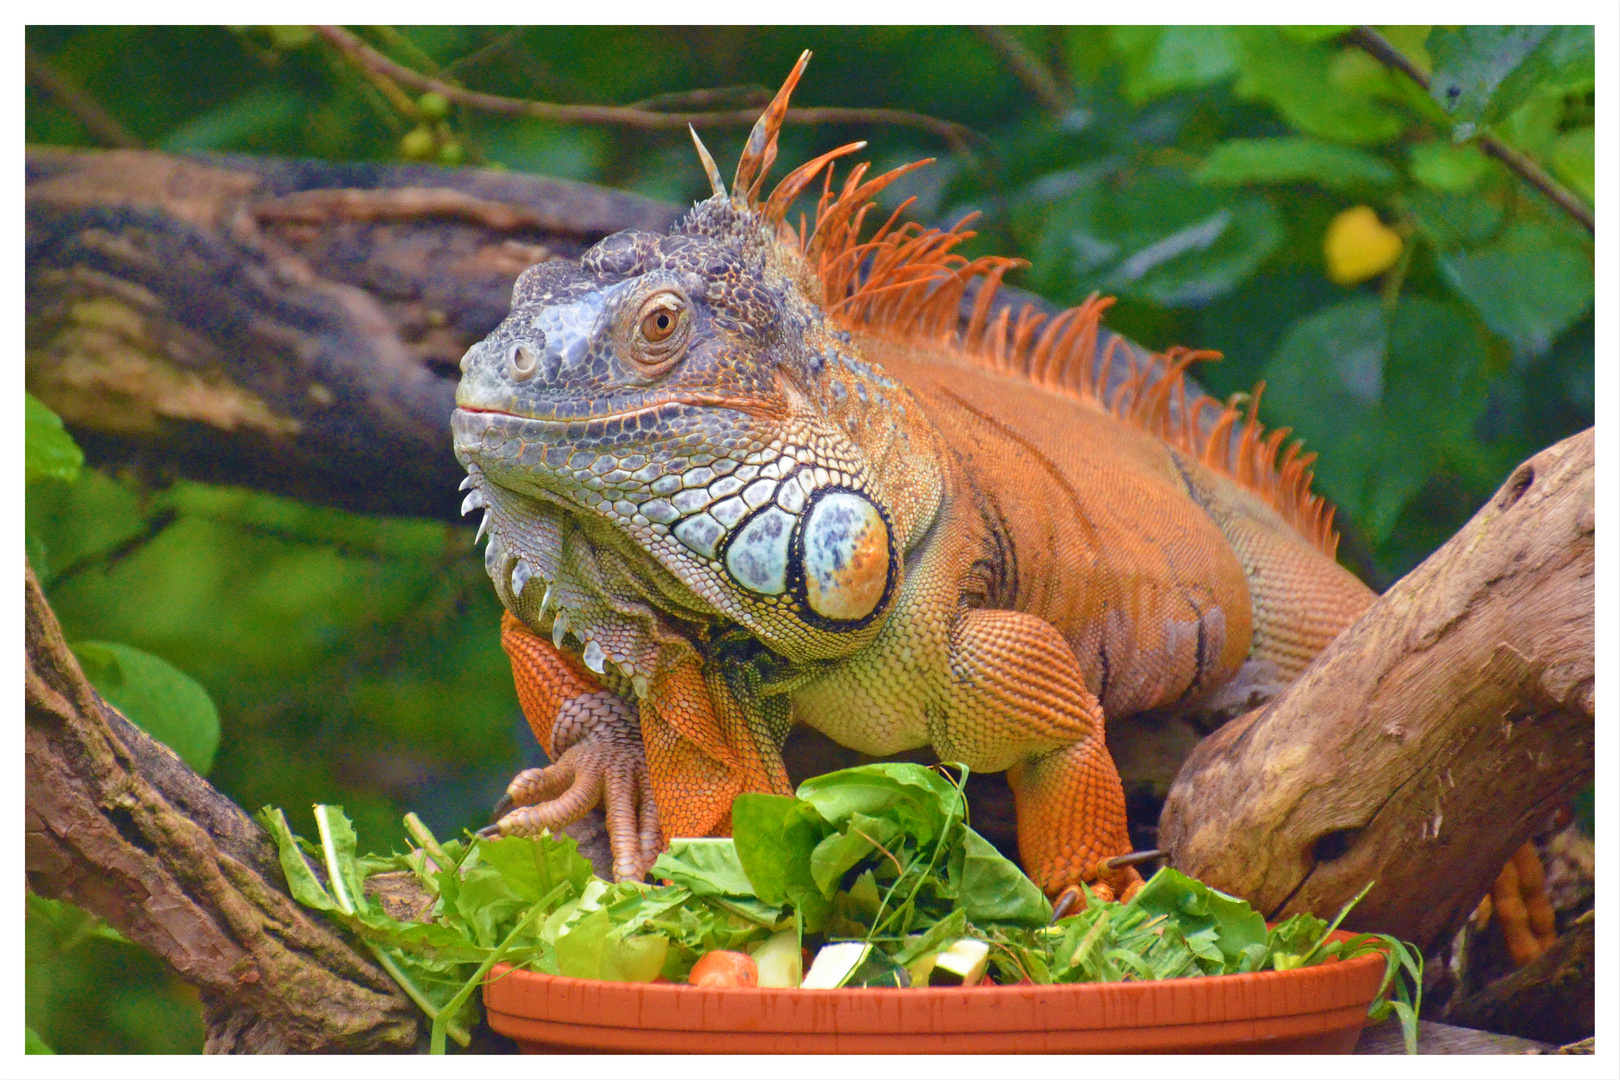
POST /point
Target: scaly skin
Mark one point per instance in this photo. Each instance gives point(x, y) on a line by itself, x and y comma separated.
point(734, 482)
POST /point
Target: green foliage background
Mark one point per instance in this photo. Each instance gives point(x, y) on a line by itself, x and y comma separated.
point(1194, 172)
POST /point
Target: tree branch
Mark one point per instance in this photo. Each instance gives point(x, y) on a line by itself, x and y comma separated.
point(1430, 740)
point(1380, 48)
point(87, 110)
point(120, 826)
point(955, 135)
point(1029, 68)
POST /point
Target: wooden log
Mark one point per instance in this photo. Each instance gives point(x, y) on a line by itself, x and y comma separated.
point(1387, 1038)
point(1429, 741)
point(289, 326)
point(117, 824)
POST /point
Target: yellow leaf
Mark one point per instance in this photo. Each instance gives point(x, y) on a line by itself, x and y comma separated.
point(1359, 246)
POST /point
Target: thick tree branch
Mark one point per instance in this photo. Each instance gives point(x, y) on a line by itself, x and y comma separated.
point(120, 826)
point(1432, 737)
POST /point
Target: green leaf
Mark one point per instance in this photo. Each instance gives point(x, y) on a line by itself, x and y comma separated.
point(1294, 77)
point(1293, 160)
point(1294, 939)
point(156, 696)
point(774, 836)
point(1483, 73)
point(33, 1044)
point(67, 924)
point(532, 866)
point(1533, 126)
point(306, 887)
point(49, 452)
point(1204, 259)
point(1156, 236)
point(707, 866)
point(935, 939)
point(1445, 166)
point(1574, 159)
point(841, 851)
point(1162, 59)
point(1367, 385)
point(250, 122)
point(1314, 33)
point(537, 146)
point(340, 848)
point(1198, 908)
point(592, 949)
point(488, 904)
point(994, 890)
point(1529, 286)
point(916, 798)
point(1450, 221)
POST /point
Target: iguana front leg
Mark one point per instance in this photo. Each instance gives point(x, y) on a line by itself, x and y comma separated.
point(1019, 702)
point(691, 750)
point(594, 741)
point(702, 750)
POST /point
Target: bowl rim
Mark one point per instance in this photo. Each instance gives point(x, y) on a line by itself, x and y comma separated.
point(1331, 971)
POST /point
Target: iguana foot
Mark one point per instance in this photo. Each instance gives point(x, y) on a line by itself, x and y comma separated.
point(610, 774)
point(594, 739)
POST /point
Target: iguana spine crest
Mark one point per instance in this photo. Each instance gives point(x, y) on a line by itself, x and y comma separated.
point(906, 284)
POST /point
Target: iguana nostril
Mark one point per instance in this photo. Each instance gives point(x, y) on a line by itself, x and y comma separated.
point(521, 362)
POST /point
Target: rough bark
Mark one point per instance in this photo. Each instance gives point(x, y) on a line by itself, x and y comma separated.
point(290, 326)
point(117, 824)
point(1432, 737)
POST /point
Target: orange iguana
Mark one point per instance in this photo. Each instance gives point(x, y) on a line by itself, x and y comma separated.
point(744, 476)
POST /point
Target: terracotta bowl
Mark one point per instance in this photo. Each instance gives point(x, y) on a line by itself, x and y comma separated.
point(1317, 1009)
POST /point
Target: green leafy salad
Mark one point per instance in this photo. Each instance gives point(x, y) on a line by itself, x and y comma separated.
point(873, 872)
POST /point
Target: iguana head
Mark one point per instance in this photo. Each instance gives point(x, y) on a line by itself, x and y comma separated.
point(680, 411)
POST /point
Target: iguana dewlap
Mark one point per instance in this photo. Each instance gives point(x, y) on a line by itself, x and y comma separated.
point(743, 476)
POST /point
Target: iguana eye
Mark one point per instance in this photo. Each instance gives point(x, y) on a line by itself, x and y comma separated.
point(660, 332)
point(658, 325)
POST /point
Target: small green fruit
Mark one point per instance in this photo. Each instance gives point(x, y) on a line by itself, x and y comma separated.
point(451, 153)
point(434, 106)
point(418, 144)
point(290, 37)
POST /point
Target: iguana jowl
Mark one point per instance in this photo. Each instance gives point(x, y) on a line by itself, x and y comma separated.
point(742, 476)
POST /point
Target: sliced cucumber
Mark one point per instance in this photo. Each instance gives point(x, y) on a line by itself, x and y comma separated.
point(779, 960)
point(963, 964)
point(853, 963)
point(834, 963)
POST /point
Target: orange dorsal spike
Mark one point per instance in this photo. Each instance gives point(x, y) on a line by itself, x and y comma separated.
point(797, 180)
point(907, 283)
point(760, 151)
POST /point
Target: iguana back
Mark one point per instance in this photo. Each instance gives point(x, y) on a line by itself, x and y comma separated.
point(1129, 543)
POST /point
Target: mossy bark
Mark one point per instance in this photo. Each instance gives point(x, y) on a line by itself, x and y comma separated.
point(117, 824)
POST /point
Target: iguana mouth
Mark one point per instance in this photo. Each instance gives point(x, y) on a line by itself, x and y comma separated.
point(748, 406)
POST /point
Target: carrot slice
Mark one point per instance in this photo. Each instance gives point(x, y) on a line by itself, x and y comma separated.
point(724, 968)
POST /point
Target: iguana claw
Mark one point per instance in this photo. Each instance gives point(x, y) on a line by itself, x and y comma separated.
point(592, 772)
